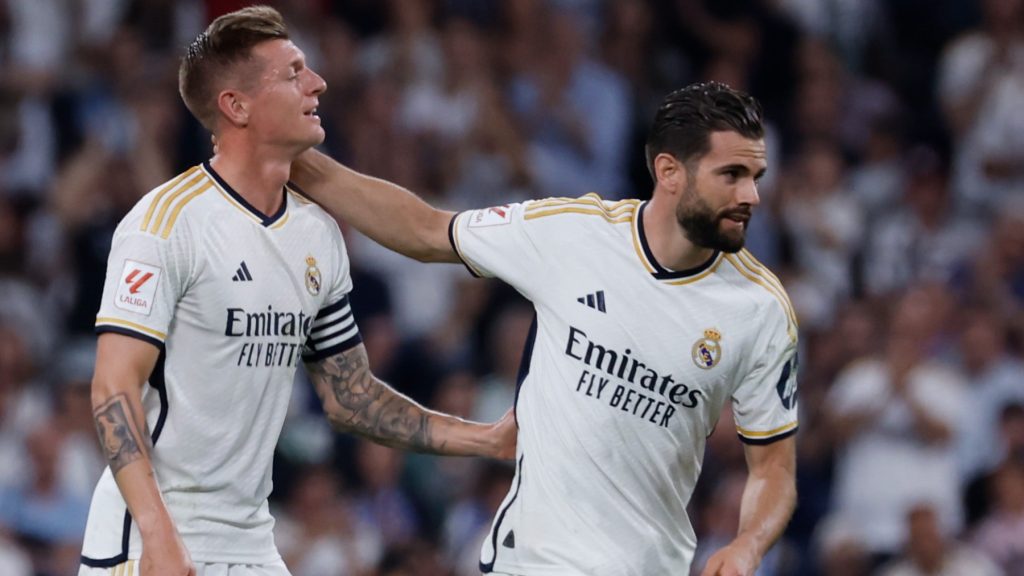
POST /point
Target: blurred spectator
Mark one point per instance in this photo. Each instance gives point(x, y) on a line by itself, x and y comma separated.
point(468, 521)
point(380, 502)
point(840, 551)
point(13, 562)
point(41, 511)
point(318, 533)
point(575, 112)
point(825, 222)
point(994, 382)
point(930, 552)
point(409, 51)
point(506, 345)
point(1001, 533)
point(921, 239)
point(896, 418)
point(23, 405)
point(79, 460)
point(982, 91)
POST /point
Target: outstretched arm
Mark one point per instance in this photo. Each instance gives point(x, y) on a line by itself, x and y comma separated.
point(389, 214)
point(356, 401)
point(768, 502)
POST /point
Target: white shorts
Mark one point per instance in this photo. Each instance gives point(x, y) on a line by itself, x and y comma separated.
point(131, 568)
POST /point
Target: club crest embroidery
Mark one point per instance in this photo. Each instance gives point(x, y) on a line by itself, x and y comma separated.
point(707, 351)
point(312, 276)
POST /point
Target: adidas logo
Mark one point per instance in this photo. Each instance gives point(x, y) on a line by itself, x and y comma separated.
point(242, 274)
point(594, 300)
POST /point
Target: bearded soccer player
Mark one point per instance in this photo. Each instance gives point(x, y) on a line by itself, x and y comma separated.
point(649, 317)
point(219, 284)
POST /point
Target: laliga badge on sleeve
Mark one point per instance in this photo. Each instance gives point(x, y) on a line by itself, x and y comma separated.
point(136, 289)
point(494, 216)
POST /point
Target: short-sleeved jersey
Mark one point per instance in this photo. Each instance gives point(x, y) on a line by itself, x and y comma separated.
point(235, 300)
point(624, 376)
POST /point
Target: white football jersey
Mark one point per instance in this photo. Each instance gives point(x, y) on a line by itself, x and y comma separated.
point(623, 379)
point(235, 300)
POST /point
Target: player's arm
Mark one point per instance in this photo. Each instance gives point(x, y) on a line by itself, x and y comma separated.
point(768, 502)
point(389, 214)
point(358, 402)
point(123, 364)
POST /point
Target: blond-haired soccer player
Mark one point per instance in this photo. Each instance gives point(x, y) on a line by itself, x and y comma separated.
point(650, 317)
point(219, 284)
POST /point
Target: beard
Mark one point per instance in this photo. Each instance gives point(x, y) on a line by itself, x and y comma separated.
point(702, 225)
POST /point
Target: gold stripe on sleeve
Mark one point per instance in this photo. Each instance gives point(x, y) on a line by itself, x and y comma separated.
point(187, 175)
point(103, 320)
point(767, 434)
point(177, 209)
point(625, 217)
point(771, 279)
point(170, 200)
point(790, 320)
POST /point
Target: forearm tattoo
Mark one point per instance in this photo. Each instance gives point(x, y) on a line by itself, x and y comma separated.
point(118, 432)
point(356, 401)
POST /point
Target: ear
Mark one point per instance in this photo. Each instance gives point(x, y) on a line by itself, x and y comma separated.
point(669, 173)
point(234, 107)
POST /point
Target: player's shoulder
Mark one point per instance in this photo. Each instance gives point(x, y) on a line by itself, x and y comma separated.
point(163, 209)
point(308, 213)
point(588, 210)
point(762, 289)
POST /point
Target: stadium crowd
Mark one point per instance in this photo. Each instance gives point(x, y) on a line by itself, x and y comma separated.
point(893, 211)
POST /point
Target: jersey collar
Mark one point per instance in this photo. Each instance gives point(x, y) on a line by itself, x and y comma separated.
point(658, 271)
point(241, 203)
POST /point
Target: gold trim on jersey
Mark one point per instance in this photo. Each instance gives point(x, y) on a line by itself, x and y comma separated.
point(458, 247)
point(277, 225)
point(769, 433)
point(177, 209)
point(777, 292)
point(591, 204)
point(232, 201)
point(689, 279)
point(756, 267)
point(182, 180)
point(104, 320)
point(298, 197)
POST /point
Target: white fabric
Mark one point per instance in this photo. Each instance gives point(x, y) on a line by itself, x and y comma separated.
point(886, 468)
point(131, 568)
point(235, 299)
point(614, 412)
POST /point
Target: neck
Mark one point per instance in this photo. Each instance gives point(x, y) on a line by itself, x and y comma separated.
point(670, 246)
point(257, 173)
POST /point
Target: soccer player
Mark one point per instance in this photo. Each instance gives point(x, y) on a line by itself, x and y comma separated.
point(649, 317)
point(219, 284)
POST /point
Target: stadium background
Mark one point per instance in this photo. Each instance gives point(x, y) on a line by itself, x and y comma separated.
point(893, 212)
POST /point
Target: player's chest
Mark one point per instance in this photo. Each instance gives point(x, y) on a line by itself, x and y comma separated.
point(683, 347)
point(254, 273)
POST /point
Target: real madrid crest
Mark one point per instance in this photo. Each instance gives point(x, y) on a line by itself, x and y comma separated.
point(707, 351)
point(312, 276)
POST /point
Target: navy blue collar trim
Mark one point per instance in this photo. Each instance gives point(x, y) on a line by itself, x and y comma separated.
point(264, 219)
point(660, 272)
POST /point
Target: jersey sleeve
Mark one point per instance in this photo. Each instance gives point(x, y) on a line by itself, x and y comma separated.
point(765, 400)
point(334, 329)
point(498, 242)
point(146, 277)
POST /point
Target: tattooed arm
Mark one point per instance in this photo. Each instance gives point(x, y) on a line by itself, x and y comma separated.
point(123, 364)
point(356, 401)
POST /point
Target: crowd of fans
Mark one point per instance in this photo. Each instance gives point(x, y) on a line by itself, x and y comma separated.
point(893, 211)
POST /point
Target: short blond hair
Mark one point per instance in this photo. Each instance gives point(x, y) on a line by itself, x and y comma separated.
point(214, 54)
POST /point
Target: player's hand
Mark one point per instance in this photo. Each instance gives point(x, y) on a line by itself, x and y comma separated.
point(736, 559)
point(164, 554)
point(504, 433)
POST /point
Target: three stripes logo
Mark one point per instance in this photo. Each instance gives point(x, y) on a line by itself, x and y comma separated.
point(242, 274)
point(594, 300)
